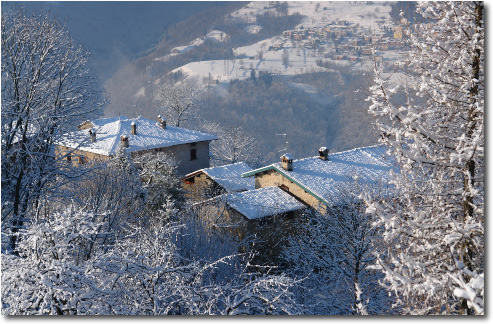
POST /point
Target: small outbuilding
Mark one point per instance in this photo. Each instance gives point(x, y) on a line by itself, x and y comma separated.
point(211, 182)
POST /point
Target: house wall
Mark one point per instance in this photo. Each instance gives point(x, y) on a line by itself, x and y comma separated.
point(202, 188)
point(182, 155)
point(196, 189)
point(86, 125)
point(272, 178)
point(62, 150)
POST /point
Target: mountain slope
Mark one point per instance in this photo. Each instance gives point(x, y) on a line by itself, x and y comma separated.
point(116, 32)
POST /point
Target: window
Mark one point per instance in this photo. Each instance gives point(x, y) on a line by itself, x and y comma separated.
point(193, 154)
point(82, 159)
point(189, 180)
point(69, 159)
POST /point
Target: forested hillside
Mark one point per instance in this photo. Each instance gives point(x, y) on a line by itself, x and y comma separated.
point(333, 115)
point(313, 108)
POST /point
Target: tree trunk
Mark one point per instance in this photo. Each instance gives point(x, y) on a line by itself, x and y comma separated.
point(467, 253)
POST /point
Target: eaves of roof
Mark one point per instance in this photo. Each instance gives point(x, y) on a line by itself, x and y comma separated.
point(193, 174)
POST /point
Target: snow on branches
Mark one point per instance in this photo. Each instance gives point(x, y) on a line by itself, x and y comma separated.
point(432, 118)
point(46, 89)
point(139, 273)
point(178, 101)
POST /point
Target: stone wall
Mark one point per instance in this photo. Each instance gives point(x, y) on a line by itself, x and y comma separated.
point(75, 154)
point(200, 187)
point(181, 153)
point(272, 178)
point(217, 216)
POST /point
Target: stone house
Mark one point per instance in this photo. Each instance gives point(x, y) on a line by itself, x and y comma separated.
point(210, 182)
point(98, 140)
point(253, 204)
point(263, 213)
point(318, 181)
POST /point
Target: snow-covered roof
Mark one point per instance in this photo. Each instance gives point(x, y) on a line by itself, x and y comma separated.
point(149, 136)
point(258, 203)
point(322, 179)
point(229, 176)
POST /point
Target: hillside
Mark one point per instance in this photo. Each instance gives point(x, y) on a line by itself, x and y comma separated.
point(315, 78)
point(313, 54)
point(117, 32)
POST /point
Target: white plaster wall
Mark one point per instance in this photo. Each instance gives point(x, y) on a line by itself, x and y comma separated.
point(181, 154)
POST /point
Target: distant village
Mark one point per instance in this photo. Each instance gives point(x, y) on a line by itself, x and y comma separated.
point(344, 40)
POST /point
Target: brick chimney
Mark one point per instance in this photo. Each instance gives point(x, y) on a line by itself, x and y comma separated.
point(92, 133)
point(323, 153)
point(124, 140)
point(133, 127)
point(287, 162)
point(162, 122)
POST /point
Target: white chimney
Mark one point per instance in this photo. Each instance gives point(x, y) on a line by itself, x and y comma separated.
point(124, 140)
point(323, 153)
point(162, 122)
point(133, 127)
point(287, 162)
point(92, 133)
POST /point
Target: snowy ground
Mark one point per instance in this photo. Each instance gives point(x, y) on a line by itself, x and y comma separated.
point(300, 58)
point(319, 14)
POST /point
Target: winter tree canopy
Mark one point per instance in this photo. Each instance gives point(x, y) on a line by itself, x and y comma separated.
point(432, 119)
point(45, 90)
point(178, 101)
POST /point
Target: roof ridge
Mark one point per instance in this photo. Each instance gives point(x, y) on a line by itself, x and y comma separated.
point(223, 166)
point(115, 138)
point(276, 164)
point(363, 148)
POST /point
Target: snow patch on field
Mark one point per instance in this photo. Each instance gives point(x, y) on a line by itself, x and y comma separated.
point(314, 94)
point(141, 92)
point(253, 29)
point(214, 35)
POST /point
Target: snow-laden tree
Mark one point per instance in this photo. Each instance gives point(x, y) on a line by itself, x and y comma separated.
point(160, 180)
point(45, 90)
point(234, 145)
point(177, 101)
point(432, 119)
point(112, 190)
point(336, 251)
point(50, 275)
point(140, 273)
